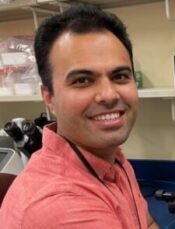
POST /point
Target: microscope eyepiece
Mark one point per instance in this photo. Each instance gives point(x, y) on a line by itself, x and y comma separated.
point(13, 131)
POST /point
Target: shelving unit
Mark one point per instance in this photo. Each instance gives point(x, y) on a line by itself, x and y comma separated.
point(22, 9)
point(168, 93)
point(157, 93)
point(19, 98)
point(165, 93)
point(162, 93)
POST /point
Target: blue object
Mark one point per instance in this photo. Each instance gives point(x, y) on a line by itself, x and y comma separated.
point(153, 175)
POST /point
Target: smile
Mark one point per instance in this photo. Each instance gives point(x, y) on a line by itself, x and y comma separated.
point(107, 117)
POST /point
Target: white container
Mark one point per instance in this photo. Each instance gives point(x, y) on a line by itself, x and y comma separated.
point(6, 91)
point(24, 89)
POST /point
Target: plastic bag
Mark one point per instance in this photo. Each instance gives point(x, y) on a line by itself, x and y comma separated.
point(18, 71)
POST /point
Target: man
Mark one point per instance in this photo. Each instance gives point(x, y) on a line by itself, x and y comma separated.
point(80, 178)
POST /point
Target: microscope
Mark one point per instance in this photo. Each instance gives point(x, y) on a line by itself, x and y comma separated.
point(169, 197)
point(19, 139)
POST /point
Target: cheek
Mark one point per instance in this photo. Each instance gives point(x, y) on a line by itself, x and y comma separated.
point(71, 105)
point(78, 101)
point(130, 96)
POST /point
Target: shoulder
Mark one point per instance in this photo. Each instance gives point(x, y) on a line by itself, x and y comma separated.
point(68, 208)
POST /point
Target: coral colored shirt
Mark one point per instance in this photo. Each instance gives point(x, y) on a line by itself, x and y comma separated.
point(55, 190)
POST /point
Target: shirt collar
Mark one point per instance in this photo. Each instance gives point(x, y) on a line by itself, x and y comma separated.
point(104, 169)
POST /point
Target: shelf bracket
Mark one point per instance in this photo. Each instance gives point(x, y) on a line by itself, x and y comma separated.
point(36, 10)
point(35, 19)
point(168, 11)
point(173, 109)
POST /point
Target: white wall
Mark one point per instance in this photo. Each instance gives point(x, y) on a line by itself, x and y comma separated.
point(153, 39)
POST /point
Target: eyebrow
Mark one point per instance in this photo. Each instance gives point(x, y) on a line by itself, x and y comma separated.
point(120, 69)
point(76, 72)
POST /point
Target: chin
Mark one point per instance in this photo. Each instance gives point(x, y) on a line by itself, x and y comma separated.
point(108, 143)
point(118, 140)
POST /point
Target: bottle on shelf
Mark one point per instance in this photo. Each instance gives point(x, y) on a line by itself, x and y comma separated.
point(139, 79)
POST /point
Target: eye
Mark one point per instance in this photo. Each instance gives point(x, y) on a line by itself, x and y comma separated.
point(82, 81)
point(121, 78)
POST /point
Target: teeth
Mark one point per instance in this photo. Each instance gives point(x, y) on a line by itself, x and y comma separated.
point(107, 117)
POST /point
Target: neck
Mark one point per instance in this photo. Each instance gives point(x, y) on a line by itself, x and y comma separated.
point(107, 154)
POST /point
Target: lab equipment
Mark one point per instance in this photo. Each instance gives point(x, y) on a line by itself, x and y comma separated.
point(10, 161)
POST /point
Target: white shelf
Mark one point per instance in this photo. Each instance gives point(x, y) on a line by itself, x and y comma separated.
point(20, 98)
point(21, 9)
point(157, 93)
point(143, 93)
point(163, 93)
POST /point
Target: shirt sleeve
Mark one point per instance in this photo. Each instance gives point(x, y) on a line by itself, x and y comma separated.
point(70, 212)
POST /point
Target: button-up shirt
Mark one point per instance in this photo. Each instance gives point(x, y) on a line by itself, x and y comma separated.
point(56, 190)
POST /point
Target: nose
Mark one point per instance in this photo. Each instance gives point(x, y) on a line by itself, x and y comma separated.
point(107, 93)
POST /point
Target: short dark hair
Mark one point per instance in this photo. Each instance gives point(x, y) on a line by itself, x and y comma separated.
point(79, 18)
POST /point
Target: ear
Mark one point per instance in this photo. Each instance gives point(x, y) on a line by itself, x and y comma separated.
point(48, 98)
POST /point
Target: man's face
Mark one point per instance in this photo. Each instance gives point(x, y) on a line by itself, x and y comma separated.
point(95, 97)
